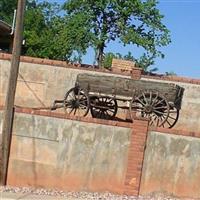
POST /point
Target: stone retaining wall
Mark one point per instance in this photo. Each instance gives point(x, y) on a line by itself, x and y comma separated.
point(42, 81)
point(53, 150)
point(56, 151)
point(171, 165)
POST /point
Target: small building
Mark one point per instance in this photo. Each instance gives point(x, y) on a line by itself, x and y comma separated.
point(6, 37)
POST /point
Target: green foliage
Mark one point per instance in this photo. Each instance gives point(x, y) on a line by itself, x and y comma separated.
point(86, 23)
point(41, 27)
point(7, 8)
point(46, 32)
point(107, 60)
point(132, 22)
point(50, 35)
point(143, 62)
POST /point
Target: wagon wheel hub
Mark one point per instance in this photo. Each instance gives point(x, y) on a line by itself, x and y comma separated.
point(75, 103)
point(148, 109)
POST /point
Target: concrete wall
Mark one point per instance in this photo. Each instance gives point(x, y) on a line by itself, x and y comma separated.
point(171, 165)
point(51, 151)
point(67, 154)
point(40, 84)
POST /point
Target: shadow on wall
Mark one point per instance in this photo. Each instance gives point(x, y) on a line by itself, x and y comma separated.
point(31, 90)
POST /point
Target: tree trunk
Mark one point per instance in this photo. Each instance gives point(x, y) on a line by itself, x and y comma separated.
point(100, 52)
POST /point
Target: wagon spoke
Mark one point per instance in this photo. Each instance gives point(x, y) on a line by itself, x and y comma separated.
point(111, 110)
point(72, 96)
point(71, 110)
point(155, 98)
point(158, 121)
point(161, 107)
point(83, 98)
point(110, 100)
point(168, 122)
point(151, 122)
point(159, 102)
point(83, 106)
point(140, 101)
point(107, 112)
point(101, 113)
point(171, 117)
point(162, 113)
point(75, 111)
point(150, 97)
point(154, 121)
point(145, 98)
point(163, 124)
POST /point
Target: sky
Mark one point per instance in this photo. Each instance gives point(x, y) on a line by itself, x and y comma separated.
point(182, 55)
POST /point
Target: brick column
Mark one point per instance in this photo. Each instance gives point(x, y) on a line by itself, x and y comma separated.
point(135, 157)
point(136, 73)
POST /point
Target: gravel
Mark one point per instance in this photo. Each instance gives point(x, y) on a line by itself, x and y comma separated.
point(79, 195)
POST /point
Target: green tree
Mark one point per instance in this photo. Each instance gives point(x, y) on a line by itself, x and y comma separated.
point(131, 22)
point(7, 8)
point(108, 57)
point(46, 31)
point(143, 62)
point(42, 24)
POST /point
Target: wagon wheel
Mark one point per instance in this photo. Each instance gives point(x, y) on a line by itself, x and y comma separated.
point(150, 105)
point(76, 102)
point(172, 118)
point(103, 107)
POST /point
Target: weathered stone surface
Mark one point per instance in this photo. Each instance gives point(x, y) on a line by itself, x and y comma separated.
point(171, 165)
point(66, 154)
point(39, 85)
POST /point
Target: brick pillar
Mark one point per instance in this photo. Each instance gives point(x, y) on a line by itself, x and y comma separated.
point(135, 157)
point(120, 65)
point(136, 73)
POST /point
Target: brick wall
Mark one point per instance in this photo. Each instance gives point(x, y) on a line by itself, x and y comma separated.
point(135, 157)
point(57, 63)
point(41, 81)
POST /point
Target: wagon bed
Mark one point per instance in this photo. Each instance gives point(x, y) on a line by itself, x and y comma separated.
point(126, 87)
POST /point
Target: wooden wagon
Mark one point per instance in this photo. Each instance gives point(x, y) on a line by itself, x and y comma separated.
point(101, 95)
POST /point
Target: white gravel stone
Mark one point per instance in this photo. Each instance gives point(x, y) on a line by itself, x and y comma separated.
point(80, 195)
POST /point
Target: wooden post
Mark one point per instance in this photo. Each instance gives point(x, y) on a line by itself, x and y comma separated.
point(10, 96)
